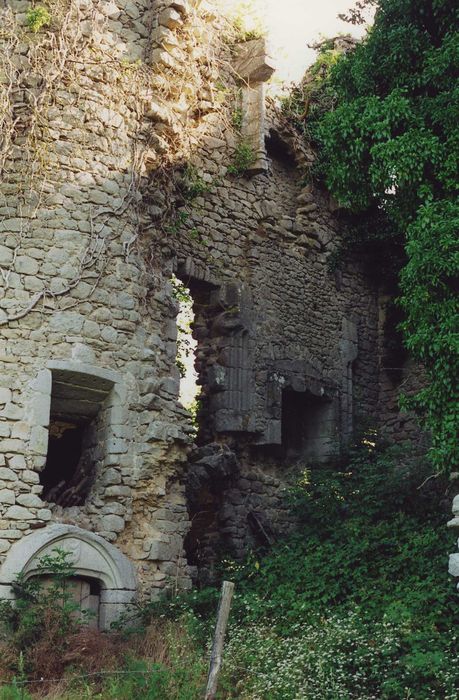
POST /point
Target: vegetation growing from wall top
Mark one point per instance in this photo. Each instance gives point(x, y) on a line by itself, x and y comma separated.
point(388, 150)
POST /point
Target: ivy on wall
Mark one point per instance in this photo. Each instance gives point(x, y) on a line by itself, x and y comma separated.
point(389, 148)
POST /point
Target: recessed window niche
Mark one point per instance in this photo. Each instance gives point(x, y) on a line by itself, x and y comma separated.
point(307, 426)
point(79, 418)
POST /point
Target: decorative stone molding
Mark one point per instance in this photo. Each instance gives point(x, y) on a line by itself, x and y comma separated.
point(254, 67)
point(82, 391)
point(89, 555)
point(254, 64)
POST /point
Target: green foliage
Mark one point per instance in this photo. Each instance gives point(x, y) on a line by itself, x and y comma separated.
point(243, 157)
point(389, 149)
point(154, 682)
point(40, 606)
point(184, 320)
point(356, 603)
point(14, 691)
point(193, 185)
point(245, 22)
point(237, 118)
point(177, 222)
point(361, 525)
point(242, 34)
point(337, 656)
point(429, 287)
point(37, 18)
point(129, 65)
point(308, 102)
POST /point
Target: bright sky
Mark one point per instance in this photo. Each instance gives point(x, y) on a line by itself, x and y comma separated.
point(292, 24)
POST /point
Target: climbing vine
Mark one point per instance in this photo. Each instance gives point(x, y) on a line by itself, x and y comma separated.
point(389, 149)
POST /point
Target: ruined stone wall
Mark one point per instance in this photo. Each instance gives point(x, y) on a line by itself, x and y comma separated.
point(270, 314)
point(102, 111)
point(85, 306)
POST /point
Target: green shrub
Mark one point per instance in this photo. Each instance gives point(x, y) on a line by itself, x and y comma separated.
point(388, 150)
point(43, 616)
point(14, 691)
point(237, 118)
point(357, 602)
point(192, 184)
point(243, 157)
point(37, 18)
point(339, 656)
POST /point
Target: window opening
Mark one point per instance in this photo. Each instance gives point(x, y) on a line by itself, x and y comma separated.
point(77, 430)
point(186, 348)
point(307, 426)
point(278, 150)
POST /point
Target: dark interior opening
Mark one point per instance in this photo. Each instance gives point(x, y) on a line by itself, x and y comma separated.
point(307, 426)
point(65, 448)
point(93, 584)
point(77, 426)
point(278, 150)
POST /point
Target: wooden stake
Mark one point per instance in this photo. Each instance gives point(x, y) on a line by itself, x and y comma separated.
point(219, 638)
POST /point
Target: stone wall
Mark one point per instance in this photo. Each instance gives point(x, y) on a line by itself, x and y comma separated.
point(271, 318)
point(108, 114)
point(82, 293)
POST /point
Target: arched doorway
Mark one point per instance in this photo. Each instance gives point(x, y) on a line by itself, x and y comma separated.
point(103, 579)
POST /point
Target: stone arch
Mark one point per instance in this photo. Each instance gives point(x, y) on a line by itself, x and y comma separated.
point(90, 556)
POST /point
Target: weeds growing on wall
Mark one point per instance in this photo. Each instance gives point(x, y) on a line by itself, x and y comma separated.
point(245, 23)
point(243, 157)
point(37, 18)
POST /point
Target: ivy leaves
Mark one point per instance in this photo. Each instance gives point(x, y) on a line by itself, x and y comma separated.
point(392, 145)
point(429, 285)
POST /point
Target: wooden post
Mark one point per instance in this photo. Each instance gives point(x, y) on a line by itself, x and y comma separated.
point(219, 638)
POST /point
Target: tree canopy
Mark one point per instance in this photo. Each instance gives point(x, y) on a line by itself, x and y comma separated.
point(389, 148)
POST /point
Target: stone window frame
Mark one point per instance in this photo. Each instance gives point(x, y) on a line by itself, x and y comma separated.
point(39, 410)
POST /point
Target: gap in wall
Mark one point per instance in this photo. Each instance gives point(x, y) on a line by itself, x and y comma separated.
point(186, 347)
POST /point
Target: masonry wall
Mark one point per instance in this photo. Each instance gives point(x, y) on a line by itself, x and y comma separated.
point(80, 283)
point(101, 111)
point(277, 316)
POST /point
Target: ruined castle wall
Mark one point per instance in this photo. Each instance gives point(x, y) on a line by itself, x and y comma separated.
point(84, 307)
point(102, 111)
point(277, 316)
